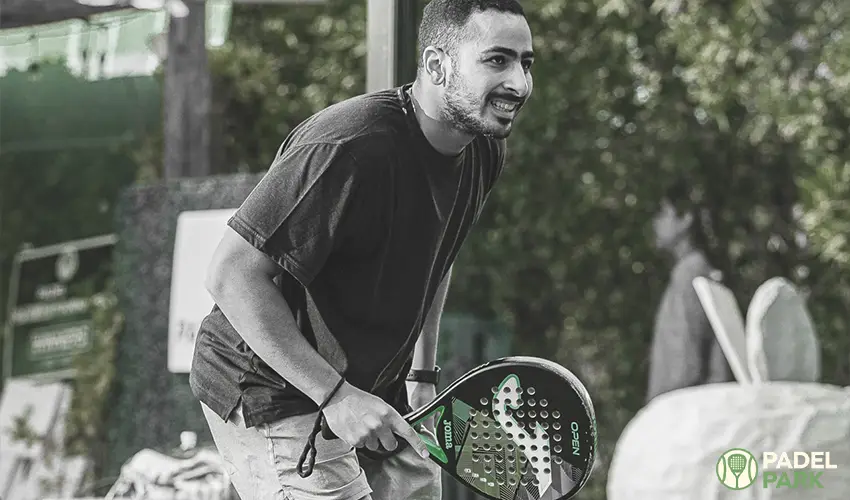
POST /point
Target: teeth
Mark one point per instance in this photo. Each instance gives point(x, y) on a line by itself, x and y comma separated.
point(504, 106)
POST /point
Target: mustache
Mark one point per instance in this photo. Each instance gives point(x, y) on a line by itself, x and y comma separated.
point(508, 98)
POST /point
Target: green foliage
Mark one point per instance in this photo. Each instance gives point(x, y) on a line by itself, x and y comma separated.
point(628, 95)
point(94, 383)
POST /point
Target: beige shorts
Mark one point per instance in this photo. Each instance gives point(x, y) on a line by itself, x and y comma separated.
point(263, 460)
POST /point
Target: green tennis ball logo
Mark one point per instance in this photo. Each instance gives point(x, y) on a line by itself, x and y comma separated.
point(737, 469)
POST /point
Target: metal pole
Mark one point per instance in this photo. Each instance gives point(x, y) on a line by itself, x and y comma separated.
point(407, 29)
point(380, 44)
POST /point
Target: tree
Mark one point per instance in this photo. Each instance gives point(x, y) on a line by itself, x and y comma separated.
point(747, 100)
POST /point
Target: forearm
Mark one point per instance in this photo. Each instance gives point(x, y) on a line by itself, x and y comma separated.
point(425, 353)
point(258, 311)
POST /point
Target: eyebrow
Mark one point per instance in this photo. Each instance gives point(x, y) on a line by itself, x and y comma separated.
point(510, 52)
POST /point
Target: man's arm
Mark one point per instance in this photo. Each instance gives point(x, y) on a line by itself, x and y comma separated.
point(241, 281)
point(425, 353)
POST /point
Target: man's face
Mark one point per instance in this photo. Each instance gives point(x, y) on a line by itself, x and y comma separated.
point(490, 75)
point(669, 227)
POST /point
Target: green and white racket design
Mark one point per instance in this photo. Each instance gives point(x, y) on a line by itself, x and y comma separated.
point(517, 428)
point(737, 463)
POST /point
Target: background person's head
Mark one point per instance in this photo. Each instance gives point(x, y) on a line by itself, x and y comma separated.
point(474, 65)
point(679, 223)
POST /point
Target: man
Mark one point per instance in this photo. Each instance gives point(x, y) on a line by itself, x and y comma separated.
point(685, 351)
point(331, 278)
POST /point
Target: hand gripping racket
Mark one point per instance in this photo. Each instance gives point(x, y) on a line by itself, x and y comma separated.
point(517, 428)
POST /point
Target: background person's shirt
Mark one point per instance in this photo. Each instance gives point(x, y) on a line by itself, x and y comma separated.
point(364, 218)
point(685, 352)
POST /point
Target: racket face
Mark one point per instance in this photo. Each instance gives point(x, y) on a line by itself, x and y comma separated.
point(517, 428)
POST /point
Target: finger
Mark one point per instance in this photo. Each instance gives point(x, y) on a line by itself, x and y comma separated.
point(406, 432)
point(387, 438)
point(372, 443)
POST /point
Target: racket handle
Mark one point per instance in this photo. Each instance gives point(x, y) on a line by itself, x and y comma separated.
point(379, 454)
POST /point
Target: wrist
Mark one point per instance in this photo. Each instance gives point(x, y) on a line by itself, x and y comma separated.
point(424, 376)
point(333, 393)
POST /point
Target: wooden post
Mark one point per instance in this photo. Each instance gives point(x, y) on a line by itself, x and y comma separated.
point(187, 96)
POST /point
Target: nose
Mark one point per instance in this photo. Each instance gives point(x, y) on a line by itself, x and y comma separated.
point(518, 82)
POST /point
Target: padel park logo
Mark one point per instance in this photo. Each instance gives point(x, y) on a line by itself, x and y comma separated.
point(739, 469)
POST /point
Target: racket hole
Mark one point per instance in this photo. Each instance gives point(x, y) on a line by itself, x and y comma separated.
point(544, 414)
point(483, 401)
point(556, 414)
point(544, 403)
point(545, 446)
point(531, 402)
point(520, 413)
point(558, 449)
point(532, 413)
point(545, 426)
point(495, 389)
point(556, 425)
point(519, 390)
point(534, 447)
point(556, 437)
point(545, 460)
point(485, 413)
point(475, 458)
point(472, 412)
point(558, 460)
point(531, 391)
point(547, 471)
point(507, 390)
point(509, 424)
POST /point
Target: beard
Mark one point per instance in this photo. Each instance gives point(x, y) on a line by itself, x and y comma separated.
point(465, 111)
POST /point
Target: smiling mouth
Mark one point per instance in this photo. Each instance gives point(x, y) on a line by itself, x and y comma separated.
point(504, 106)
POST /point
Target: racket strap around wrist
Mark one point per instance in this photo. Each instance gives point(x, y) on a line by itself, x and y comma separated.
point(309, 453)
point(425, 376)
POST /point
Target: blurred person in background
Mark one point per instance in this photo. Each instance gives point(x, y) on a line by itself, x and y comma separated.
point(331, 278)
point(685, 352)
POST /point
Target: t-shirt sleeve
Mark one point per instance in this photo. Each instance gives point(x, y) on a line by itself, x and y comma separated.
point(297, 213)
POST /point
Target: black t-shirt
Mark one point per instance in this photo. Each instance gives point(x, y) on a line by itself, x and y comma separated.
point(365, 218)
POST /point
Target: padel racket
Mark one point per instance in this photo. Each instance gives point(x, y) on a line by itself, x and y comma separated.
point(517, 428)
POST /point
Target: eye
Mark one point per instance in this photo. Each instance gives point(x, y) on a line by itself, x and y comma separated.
point(498, 60)
point(526, 65)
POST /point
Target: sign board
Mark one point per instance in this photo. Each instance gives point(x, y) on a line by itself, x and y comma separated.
point(51, 296)
point(198, 234)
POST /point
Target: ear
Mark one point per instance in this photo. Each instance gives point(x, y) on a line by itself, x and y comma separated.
point(433, 63)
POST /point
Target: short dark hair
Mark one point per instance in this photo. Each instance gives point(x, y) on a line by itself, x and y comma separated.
point(443, 21)
point(687, 198)
point(681, 195)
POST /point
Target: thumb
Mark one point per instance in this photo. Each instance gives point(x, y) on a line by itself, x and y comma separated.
point(402, 429)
